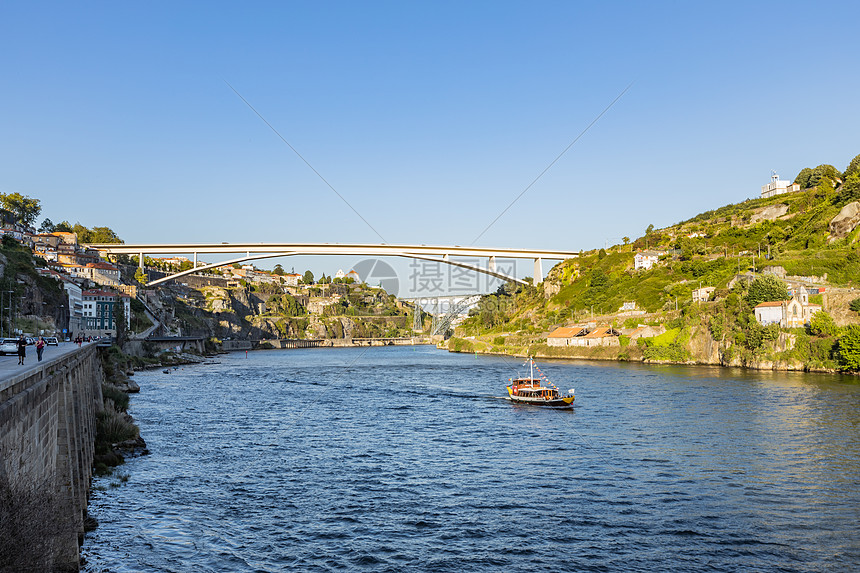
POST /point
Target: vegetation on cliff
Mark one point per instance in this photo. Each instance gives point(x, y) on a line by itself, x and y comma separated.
point(792, 235)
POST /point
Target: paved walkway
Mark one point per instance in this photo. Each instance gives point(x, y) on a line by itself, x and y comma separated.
point(9, 363)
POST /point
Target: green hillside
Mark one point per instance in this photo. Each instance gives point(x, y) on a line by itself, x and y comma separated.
point(789, 234)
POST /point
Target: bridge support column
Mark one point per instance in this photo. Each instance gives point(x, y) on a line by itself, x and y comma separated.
point(492, 264)
point(195, 261)
point(538, 272)
point(140, 262)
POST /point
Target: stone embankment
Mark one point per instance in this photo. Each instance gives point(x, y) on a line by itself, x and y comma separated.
point(47, 436)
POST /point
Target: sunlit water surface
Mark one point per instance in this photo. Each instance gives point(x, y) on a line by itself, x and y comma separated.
point(405, 459)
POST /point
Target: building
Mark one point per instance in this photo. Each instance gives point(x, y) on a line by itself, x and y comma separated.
point(102, 273)
point(562, 336)
point(76, 308)
point(646, 259)
point(600, 336)
point(99, 312)
point(292, 279)
point(703, 294)
point(793, 313)
point(777, 186)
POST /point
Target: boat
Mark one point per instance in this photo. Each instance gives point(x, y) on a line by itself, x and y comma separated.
point(531, 390)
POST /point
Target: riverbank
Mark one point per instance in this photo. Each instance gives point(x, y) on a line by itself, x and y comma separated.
point(708, 354)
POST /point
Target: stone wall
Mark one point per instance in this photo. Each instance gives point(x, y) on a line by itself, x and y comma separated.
point(47, 436)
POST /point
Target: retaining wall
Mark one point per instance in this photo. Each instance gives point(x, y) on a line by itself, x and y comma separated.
point(47, 436)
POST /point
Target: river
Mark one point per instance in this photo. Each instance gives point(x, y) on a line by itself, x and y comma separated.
point(405, 459)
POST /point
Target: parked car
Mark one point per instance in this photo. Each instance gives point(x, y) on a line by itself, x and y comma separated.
point(52, 341)
point(30, 340)
point(9, 346)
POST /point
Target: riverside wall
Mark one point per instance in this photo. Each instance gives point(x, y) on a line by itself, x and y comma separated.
point(47, 436)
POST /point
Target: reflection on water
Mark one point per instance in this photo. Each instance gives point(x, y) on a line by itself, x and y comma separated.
point(391, 459)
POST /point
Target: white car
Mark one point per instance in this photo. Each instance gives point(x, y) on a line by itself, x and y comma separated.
point(8, 346)
point(51, 341)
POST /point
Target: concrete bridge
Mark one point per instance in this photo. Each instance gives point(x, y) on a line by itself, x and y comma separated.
point(255, 251)
point(47, 437)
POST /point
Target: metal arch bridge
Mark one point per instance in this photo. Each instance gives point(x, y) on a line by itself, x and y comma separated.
point(254, 251)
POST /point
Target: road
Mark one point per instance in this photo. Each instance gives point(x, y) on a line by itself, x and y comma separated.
point(9, 363)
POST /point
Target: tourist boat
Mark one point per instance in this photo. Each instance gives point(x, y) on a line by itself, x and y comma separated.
point(531, 390)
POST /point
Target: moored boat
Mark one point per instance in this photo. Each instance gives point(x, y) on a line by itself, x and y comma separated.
point(531, 390)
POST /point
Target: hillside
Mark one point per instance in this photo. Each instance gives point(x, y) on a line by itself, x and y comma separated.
point(805, 238)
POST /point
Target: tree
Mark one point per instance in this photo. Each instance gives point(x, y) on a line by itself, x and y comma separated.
point(95, 235)
point(802, 178)
point(279, 270)
point(119, 319)
point(63, 227)
point(626, 240)
point(649, 230)
point(47, 226)
point(308, 278)
point(25, 208)
point(823, 170)
point(849, 348)
point(140, 276)
point(822, 324)
point(851, 188)
point(766, 289)
point(855, 305)
point(853, 167)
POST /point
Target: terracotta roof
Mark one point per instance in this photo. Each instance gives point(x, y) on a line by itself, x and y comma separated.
point(95, 292)
point(772, 303)
point(601, 332)
point(565, 332)
point(105, 266)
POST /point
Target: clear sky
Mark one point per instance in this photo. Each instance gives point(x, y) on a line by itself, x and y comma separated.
point(428, 117)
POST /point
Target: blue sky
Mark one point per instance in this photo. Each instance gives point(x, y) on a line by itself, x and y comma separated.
point(429, 118)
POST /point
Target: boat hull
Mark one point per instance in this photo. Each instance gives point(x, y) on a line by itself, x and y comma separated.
point(563, 402)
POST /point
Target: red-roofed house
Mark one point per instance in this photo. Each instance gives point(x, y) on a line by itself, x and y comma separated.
point(564, 335)
point(103, 273)
point(600, 336)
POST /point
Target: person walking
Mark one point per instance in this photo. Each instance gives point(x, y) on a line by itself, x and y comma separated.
point(22, 349)
point(40, 347)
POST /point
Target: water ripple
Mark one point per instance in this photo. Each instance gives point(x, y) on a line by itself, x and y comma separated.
point(402, 461)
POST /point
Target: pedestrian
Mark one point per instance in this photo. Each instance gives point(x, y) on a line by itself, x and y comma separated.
point(22, 349)
point(40, 347)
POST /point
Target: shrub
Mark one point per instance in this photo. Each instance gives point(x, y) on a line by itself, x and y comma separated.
point(113, 427)
point(855, 305)
point(848, 351)
point(115, 395)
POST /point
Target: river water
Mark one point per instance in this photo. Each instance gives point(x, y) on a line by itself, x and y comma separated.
point(405, 459)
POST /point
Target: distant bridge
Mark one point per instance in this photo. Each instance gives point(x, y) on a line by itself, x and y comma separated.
point(254, 251)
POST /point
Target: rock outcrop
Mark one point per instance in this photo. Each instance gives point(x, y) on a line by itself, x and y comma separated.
point(769, 213)
point(845, 222)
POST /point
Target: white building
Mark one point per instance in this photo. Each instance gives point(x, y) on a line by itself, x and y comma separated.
point(646, 259)
point(777, 187)
point(792, 313)
point(703, 294)
point(76, 308)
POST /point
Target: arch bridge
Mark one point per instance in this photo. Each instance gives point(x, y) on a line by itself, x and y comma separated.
point(256, 251)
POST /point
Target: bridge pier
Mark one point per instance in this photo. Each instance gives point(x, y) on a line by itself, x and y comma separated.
point(537, 278)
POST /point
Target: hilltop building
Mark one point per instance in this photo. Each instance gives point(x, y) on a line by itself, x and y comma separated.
point(777, 187)
point(646, 259)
